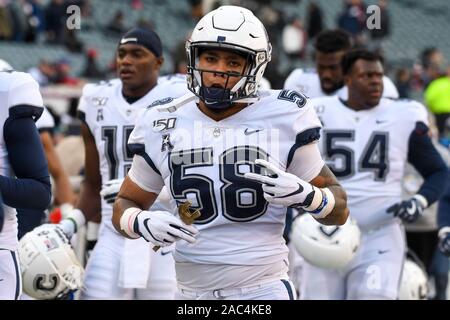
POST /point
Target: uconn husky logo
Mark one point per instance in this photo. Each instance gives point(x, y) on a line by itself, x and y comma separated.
point(46, 282)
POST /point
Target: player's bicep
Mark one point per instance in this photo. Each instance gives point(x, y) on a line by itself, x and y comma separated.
point(144, 174)
point(133, 192)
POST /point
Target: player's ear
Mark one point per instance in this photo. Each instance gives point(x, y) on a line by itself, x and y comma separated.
point(347, 79)
point(159, 62)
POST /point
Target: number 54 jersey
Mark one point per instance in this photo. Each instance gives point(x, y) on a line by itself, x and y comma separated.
point(203, 161)
point(367, 151)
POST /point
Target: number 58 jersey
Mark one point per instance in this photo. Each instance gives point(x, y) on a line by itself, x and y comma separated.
point(203, 161)
point(367, 151)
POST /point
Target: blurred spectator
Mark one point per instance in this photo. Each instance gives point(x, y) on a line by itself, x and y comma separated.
point(378, 35)
point(116, 26)
point(91, 69)
point(433, 64)
point(402, 82)
point(180, 58)
point(44, 73)
point(63, 69)
point(6, 25)
point(315, 20)
point(71, 41)
point(18, 20)
point(353, 20)
point(294, 39)
point(145, 24)
point(196, 9)
point(54, 20)
point(35, 18)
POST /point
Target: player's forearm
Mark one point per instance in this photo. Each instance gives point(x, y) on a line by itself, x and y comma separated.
point(339, 214)
point(63, 190)
point(89, 202)
point(340, 211)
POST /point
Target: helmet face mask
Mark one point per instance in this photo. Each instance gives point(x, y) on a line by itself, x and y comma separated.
point(235, 29)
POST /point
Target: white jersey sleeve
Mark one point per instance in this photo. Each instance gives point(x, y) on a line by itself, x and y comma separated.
point(143, 170)
point(85, 102)
point(24, 90)
point(46, 121)
point(306, 161)
point(389, 90)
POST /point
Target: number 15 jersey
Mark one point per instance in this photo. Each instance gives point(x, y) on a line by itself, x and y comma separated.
point(110, 119)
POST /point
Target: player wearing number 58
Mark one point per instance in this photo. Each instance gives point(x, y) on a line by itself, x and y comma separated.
point(240, 156)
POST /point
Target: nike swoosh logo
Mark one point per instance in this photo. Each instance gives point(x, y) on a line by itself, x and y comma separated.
point(299, 190)
point(382, 251)
point(165, 253)
point(125, 40)
point(412, 209)
point(248, 132)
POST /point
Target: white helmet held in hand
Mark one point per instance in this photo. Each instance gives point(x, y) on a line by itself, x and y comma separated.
point(229, 28)
point(331, 247)
point(50, 269)
point(414, 282)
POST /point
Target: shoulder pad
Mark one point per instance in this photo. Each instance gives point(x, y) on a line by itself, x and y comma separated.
point(171, 105)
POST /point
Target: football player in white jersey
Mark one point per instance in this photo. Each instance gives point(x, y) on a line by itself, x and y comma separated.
point(366, 141)
point(120, 268)
point(228, 152)
point(24, 179)
point(29, 219)
point(63, 193)
point(327, 79)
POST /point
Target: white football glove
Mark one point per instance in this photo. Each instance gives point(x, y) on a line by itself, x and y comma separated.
point(162, 228)
point(51, 226)
point(283, 188)
point(110, 190)
point(72, 222)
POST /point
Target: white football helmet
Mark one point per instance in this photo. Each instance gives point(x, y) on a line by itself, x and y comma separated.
point(229, 28)
point(50, 269)
point(331, 247)
point(5, 66)
point(414, 282)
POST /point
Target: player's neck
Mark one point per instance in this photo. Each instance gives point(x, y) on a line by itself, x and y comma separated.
point(356, 104)
point(218, 115)
point(137, 92)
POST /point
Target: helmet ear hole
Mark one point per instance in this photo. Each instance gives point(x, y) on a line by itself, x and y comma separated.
point(50, 269)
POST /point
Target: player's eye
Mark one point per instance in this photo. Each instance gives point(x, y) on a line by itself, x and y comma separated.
point(210, 59)
point(234, 64)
